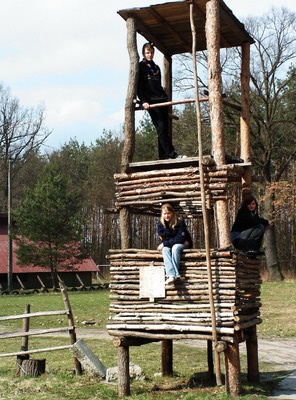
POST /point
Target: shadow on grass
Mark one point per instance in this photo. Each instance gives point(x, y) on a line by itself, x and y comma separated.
point(270, 380)
point(198, 380)
point(207, 386)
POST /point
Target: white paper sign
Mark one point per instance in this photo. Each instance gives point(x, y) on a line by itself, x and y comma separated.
point(152, 282)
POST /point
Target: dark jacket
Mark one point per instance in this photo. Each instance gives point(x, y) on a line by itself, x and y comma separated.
point(149, 85)
point(245, 220)
point(177, 235)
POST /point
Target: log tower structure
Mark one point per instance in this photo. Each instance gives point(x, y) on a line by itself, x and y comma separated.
point(219, 298)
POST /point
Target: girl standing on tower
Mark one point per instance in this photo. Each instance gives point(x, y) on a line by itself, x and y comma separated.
point(150, 91)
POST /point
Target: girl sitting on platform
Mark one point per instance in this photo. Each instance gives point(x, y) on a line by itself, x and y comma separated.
point(174, 238)
point(248, 229)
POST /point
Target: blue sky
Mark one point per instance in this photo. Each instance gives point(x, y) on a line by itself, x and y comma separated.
point(70, 56)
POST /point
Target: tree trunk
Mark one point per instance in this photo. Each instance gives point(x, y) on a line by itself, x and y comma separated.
point(273, 268)
point(54, 277)
point(292, 252)
point(269, 245)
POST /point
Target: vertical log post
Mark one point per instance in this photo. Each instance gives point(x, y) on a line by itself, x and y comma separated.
point(167, 84)
point(127, 156)
point(9, 226)
point(167, 357)
point(125, 228)
point(25, 341)
point(203, 199)
point(129, 117)
point(216, 108)
point(232, 368)
point(71, 323)
point(129, 123)
point(252, 355)
point(245, 117)
point(123, 371)
point(210, 359)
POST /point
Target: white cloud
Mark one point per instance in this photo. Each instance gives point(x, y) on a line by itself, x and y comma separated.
point(67, 105)
point(57, 37)
point(116, 118)
point(257, 8)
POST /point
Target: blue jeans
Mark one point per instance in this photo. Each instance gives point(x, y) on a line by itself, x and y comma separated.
point(171, 258)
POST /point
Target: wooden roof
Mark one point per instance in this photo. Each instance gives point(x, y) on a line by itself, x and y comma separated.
point(168, 26)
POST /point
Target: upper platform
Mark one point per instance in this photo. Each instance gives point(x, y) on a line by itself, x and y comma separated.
point(168, 26)
point(149, 184)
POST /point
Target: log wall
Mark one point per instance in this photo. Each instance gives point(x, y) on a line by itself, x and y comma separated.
point(185, 311)
point(145, 191)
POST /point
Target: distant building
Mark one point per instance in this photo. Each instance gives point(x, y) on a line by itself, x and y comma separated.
point(30, 277)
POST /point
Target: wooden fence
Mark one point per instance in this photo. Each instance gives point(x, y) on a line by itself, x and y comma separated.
point(25, 333)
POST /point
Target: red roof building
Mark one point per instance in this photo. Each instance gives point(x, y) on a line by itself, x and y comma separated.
point(31, 277)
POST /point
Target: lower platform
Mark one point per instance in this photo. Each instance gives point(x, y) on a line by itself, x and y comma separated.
point(184, 311)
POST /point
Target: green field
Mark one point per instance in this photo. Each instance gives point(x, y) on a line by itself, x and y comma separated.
point(59, 382)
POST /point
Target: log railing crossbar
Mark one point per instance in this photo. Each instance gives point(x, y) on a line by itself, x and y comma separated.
point(36, 332)
point(34, 351)
point(36, 314)
point(186, 101)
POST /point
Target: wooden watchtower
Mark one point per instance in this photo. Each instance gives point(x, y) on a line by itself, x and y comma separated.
point(219, 298)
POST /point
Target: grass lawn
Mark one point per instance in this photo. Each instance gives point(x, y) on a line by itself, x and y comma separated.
point(278, 310)
point(59, 382)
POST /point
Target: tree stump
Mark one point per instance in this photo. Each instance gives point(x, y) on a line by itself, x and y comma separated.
point(19, 362)
point(32, 367)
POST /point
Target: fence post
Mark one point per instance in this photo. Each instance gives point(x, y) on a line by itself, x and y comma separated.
point(25, 341)
point(72, 332)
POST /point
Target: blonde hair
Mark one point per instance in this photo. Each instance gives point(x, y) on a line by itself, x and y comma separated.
point(174, 220)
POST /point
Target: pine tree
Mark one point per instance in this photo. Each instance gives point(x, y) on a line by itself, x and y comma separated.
point(48, 224)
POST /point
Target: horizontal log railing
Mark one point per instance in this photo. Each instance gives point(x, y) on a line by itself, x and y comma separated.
point(186, 101)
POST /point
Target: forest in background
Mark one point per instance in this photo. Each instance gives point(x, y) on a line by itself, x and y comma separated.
point(90, 169)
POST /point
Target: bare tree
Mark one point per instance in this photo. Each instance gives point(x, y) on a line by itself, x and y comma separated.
point(22, 132)
point(273, 126)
